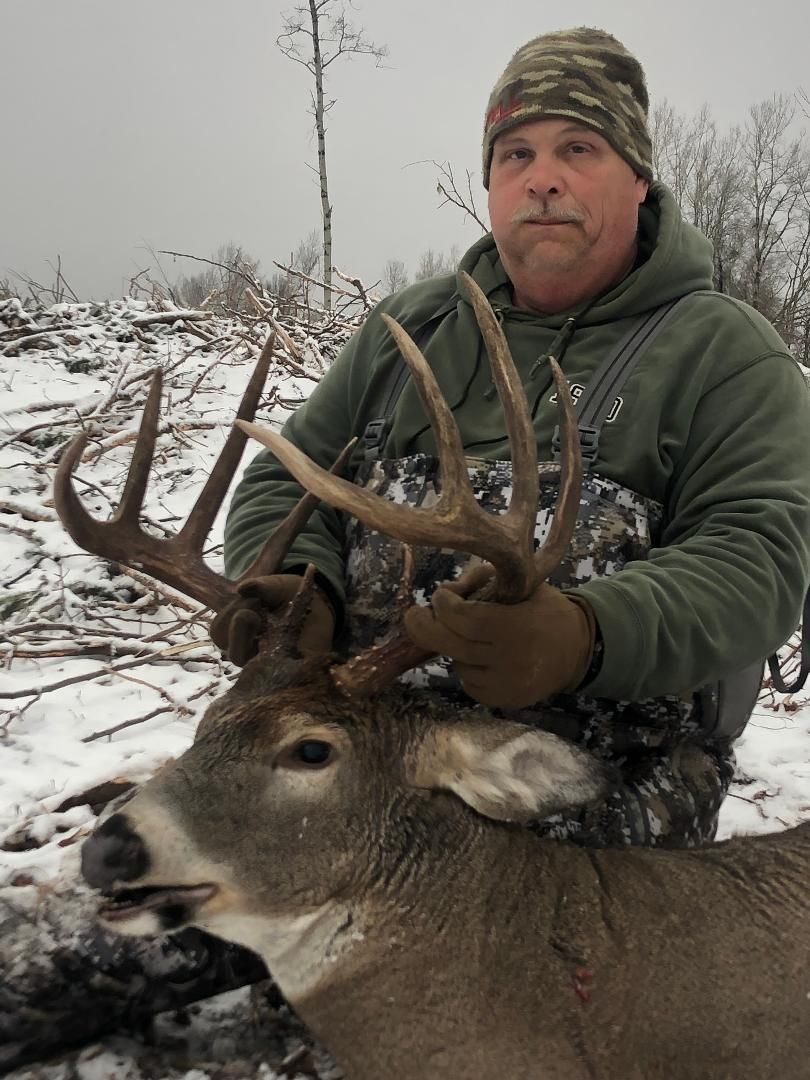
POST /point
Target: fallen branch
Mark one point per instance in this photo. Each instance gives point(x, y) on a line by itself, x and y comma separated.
point(136, 720)
point(367, 298)
point(188, 315)
point(90, 676)
point(30, 339)
point(22, 436)
point(27, 513)
point(165, 591)
point(164, 428)
point(20, 530)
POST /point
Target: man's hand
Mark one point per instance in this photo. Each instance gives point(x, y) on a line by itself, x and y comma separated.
point(236, 629)
point(509, 655)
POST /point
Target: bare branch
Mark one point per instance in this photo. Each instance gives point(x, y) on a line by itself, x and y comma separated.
point(446, 187)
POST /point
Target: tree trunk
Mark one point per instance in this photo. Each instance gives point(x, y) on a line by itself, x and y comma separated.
point(326, 209)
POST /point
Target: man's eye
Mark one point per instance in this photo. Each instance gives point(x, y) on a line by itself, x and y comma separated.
point(312, 752)
point(579, 148)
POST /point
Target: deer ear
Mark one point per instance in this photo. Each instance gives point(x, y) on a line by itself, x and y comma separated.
point(510, 772)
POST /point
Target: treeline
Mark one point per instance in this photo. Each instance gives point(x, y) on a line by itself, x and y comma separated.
point(748, 190)
point(223, 284)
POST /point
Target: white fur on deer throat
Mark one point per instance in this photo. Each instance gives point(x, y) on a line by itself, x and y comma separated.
point(299, 948)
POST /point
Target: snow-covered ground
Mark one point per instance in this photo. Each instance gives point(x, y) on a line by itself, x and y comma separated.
point(134, 656)
point(85, 649)
point(103, 675)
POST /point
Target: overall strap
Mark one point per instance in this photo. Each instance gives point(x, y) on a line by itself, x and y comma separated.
point(804, 658)
point(594, 404)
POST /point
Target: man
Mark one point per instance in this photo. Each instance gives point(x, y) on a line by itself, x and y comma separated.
point(702, 468)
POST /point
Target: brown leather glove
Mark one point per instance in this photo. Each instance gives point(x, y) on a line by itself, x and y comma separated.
point(509, 655)
point(237, 627)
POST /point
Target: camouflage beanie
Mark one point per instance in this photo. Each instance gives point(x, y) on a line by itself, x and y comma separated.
point(584, 74)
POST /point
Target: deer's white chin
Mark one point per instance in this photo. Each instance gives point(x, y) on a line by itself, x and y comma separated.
point(154, 910)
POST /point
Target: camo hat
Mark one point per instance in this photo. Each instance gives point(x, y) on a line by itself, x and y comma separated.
point(584, 74)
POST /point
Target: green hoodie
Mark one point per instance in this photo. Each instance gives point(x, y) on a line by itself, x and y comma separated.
point(714, 425)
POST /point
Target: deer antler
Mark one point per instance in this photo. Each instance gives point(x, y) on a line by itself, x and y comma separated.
point(177, 560)
point(456, 520)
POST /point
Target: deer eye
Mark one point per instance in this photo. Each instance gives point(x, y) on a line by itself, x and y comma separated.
point(313, 752)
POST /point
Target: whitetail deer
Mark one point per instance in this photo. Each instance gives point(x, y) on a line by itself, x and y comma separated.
point(369, 843)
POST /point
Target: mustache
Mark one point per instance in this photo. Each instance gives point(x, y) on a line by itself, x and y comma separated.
point(547, 215)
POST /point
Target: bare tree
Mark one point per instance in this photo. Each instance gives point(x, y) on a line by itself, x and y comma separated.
point(57, 293)
point(778, 198)
point(293, 289)
point(223, 284)
point(432, 263)
point(308, 253)
point(704, 172)
point(395, 276)
point(7, 290)
point(316, 34)
point(749, 192)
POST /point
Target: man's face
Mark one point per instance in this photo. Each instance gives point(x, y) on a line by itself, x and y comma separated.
point(563, 203)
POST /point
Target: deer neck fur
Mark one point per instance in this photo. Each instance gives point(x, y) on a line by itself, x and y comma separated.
point(390, 963)
point(668, 934)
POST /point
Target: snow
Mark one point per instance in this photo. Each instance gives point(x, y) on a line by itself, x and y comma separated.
point(86, 648)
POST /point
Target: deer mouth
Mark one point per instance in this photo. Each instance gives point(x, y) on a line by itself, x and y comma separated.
point(171, 905)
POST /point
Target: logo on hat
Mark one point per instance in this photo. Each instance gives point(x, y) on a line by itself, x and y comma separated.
point(501, 110)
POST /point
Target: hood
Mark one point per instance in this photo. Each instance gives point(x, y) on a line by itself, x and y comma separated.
point(677, 260)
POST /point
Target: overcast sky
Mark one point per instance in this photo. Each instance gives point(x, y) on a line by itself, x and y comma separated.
point(130, 124)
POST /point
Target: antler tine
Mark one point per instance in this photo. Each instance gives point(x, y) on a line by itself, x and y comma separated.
point(205, 509)
point(122, 540)
point(519, 426)
point(175, 560)
point(138, 474)
point(78, 522)
point(272, 555)
point(456, 488)
point(282, 630)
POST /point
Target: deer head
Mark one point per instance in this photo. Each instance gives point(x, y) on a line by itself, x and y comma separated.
point(314, 786)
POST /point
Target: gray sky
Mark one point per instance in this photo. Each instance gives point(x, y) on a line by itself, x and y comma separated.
point(178, 123)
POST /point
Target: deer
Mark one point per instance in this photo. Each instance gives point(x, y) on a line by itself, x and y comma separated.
point(371, 844)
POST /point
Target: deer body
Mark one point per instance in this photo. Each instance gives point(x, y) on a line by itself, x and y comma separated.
point(370, 842)
point(678, 992)
point(422, 940)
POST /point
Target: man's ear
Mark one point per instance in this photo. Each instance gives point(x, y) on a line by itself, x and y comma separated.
point(509, 772)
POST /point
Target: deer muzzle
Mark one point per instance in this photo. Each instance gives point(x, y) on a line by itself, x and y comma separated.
point(114, 856)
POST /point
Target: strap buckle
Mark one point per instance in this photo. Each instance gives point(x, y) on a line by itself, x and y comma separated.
point(588, 443)
point(373, 438)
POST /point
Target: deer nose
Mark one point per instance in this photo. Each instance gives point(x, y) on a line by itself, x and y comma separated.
point(114, 852)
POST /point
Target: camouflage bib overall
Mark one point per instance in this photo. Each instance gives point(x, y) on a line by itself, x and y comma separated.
point(673, 782)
